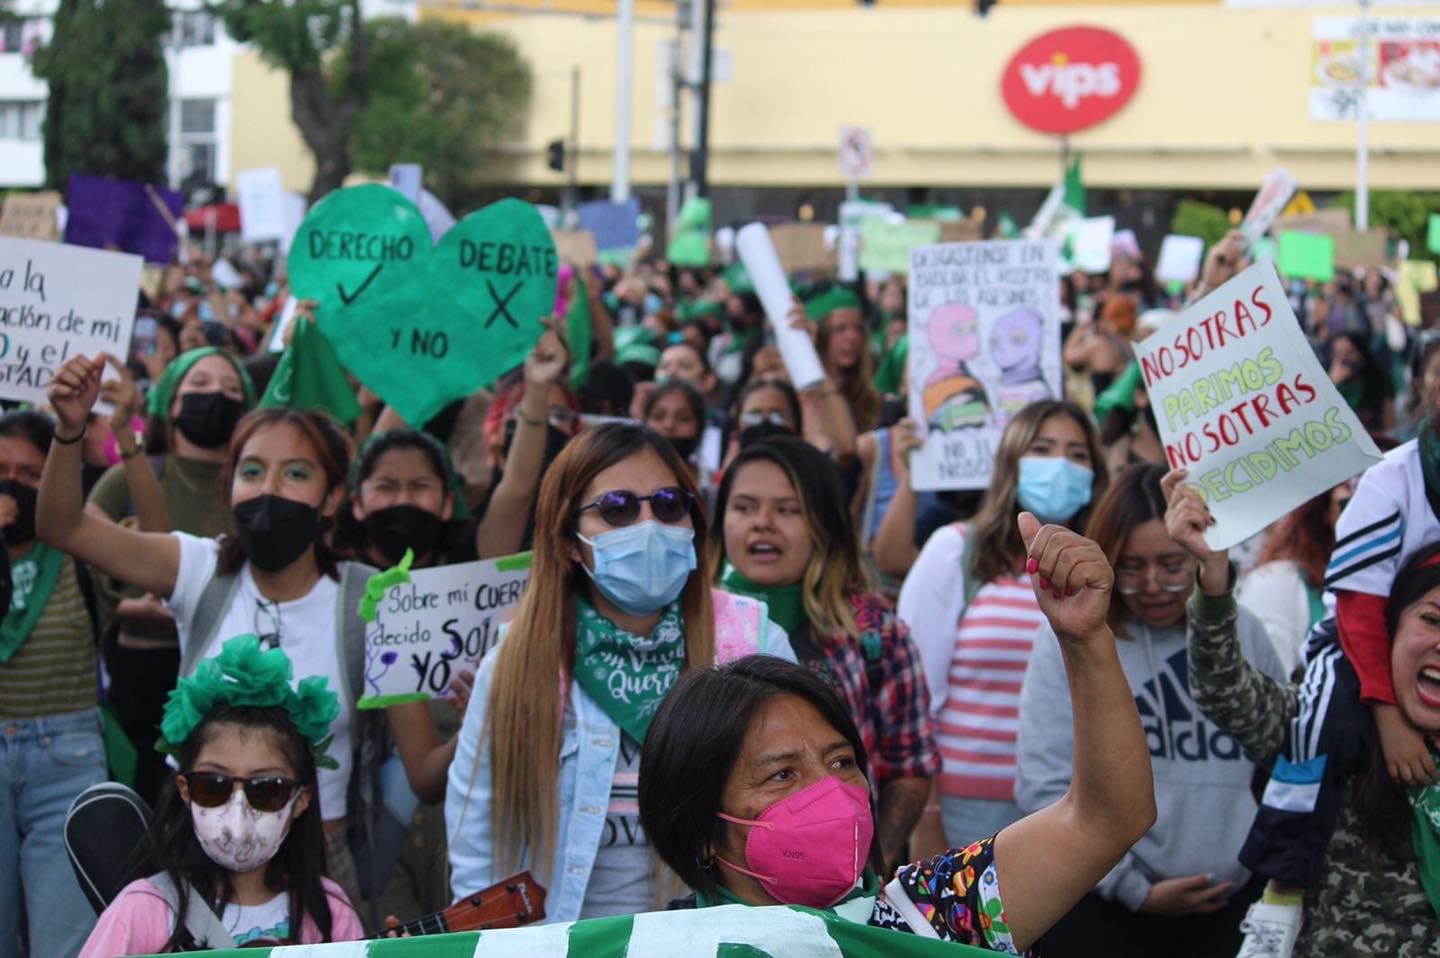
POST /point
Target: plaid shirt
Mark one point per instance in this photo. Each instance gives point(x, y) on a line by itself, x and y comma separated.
point(893, 718)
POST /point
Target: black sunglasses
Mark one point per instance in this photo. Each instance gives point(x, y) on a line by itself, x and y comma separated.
point(266, 793)
point(622, 507)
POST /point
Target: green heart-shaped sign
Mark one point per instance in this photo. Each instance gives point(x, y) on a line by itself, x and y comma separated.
point(424, 326)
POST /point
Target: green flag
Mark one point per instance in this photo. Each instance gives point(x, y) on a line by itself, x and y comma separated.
point(579, 335)
point(1075, 187)
point(310, 376)
point(1006, 226)
point(691, 245)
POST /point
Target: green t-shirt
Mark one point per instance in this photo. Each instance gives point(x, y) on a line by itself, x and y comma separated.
point(192, 495)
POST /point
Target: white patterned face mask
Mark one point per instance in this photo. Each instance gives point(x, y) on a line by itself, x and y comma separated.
point(236, 836)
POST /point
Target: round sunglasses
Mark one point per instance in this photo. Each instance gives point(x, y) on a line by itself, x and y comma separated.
point(669, 505)
point(265, 793)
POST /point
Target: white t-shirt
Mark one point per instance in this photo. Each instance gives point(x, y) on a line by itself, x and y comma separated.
point(258, 924)
point(307, 634)
point(1388, 520)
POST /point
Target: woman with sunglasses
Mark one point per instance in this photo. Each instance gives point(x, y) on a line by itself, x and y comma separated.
point(1180, 890)
point(239, 826)
point(618, 605)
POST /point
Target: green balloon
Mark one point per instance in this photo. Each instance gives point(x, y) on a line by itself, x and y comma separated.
point(424, 326)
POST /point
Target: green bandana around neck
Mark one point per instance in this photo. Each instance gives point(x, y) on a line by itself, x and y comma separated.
point(1425, 837)
point(34, 577)
point(1428, 439)
point(786, 603)
point(1352, 391)
point(162, 393)
point(625, 674)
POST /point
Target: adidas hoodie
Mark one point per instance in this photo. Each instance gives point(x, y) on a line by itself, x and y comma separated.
point(1202, 779)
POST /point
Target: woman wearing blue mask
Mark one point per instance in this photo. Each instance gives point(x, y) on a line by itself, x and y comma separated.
point(618, 605)
point(972, 612)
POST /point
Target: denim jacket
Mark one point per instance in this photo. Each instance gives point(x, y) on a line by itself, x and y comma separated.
point(589, 748)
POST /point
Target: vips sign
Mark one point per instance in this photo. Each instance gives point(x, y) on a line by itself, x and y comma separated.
point(1071, 79)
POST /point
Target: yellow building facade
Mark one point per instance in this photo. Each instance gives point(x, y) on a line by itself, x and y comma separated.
point(1223, 97)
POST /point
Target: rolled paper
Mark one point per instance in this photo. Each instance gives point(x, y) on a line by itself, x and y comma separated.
point(796, 350)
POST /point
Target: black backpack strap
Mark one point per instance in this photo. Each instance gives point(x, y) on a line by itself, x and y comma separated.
point(219, 592)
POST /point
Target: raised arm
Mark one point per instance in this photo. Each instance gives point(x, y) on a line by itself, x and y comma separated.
point(145, 493)
point(150, 561)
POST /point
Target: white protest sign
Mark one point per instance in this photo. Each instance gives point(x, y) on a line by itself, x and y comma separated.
point(984, 344)
point(1092, 244)
point(761, 262)
point(1244, 405)
point(1179, 258)
point(57, 301)
point(261, 199)
point(406, 177)
point(1267, 206)
point(442, 621)
point(293, 205)
point(282, 323)
point(852, 220)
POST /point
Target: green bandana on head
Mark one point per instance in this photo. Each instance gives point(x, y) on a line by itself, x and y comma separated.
point(34, 577)
point(625, 674)
point(162, 393)
point(836, 297)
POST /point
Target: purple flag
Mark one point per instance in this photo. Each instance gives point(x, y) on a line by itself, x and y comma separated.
point(107, 213)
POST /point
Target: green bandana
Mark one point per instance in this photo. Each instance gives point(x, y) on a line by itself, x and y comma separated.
point(786, 603)
point(836, 297)
point(1429, 442)
point(1352, 391)
point(1425, 804)
point(162, 393)
point(625, 674)
point(34, 577)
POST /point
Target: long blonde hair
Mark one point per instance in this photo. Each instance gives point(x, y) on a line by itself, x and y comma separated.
point(856, 383)
point(997, 545)
point(835, 571)
point(526, 708)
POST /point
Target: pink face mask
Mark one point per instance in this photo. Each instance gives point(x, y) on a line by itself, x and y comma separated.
point(809, 848)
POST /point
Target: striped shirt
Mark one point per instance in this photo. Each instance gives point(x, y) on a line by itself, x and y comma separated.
point(974, 661)
point(54, 670)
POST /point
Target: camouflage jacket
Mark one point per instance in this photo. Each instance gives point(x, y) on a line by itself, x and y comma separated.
point(1359, 908)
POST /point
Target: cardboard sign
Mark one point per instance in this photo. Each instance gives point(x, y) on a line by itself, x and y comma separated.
point(30, 216)
point(1180, 258)
point(57, 301)
point(1092, 244)
point(576, 247)
point(1305, 256)
point(1267, 206)
point(263, 209)
point(1354, 249)
point(1243, 404)
point(961, 231)
point(885, 246)
point(984, 343)
point(420, 326)
point(801, 246)
point(105, 213)
point(442, 621)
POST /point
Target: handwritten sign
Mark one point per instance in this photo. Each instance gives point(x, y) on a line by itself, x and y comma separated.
point(442, 621)
point(1267, 206)
point(984, 344)
point(1245, 406)
point(261, 199)
point(57, 301)
point(421, 325)
point(30, 215)
point(885, 246)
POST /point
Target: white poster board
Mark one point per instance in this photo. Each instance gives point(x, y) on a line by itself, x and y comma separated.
point(1267, 206)
point(984, 344)
point(1092, 244)
point(442, 621)
point(853, 215)
point(763, 265)
point(58, 301)
point(262, 204)
point(1243, 404)
point(1180, 257)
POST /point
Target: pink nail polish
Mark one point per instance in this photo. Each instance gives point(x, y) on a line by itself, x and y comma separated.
point(1056, 593)
point(1071, 592)
point(1044, 583)
point(1032, 565)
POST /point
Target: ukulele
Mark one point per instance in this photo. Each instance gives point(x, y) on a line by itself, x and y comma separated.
point(518, 900)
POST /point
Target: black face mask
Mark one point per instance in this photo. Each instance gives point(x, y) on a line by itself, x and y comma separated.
point(394, 529)
point(275, 531)
point(208, 419)
point(22, 530)
point(764, 430)
point(686, 447)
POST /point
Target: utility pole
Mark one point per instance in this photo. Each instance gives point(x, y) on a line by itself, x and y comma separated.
point(700, 159)
point(572, 161)
point(1362, 124)
point(624, 46)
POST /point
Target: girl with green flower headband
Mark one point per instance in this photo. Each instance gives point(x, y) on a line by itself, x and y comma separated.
point(238, 828)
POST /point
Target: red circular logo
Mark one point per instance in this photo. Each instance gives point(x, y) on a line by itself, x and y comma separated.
point(1071, 79)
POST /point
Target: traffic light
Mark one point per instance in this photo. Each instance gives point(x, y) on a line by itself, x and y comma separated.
point(982, 7)
point(555, 155)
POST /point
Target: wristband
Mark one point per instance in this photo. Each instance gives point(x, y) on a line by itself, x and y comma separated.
point(520, 414)
point(73, 439)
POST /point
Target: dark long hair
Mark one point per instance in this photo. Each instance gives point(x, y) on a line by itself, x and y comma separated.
point(694, 742)
point(1375, 380)
point(296, 868)
point(1134, 498)
point(36, 428)
point(350, 534)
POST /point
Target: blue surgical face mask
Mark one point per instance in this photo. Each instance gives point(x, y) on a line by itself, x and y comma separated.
point(653, 303)
point(644, 567)
point(207, 315)
point(1054, 489)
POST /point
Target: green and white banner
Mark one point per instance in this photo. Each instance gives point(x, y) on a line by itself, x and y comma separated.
point(728, 931)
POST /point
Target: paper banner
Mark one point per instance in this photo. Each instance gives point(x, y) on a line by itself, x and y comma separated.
point(1243, 404)
point(1180, 258)
point(424, 328)
point(1092, 244)
point(263, 212)
point(796, 349)
point(1306, 256)
point(576, 247)
point(58, 301)
point(801, 246)
point(885, 246)
point(1268, 204)
point(442, 621)
point(984, 335)
point(30, 215)
point(133, 217)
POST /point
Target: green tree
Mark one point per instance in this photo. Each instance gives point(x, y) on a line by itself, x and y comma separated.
point(109, 90)
point(1408, 214)
point(1205, 220)
point(440, 95)
point(299, 37)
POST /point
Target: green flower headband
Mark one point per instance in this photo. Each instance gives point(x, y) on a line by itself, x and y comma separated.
point(243, 674)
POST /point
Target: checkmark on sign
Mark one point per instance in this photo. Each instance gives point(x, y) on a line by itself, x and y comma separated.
point(502, 305)
point(347, 299)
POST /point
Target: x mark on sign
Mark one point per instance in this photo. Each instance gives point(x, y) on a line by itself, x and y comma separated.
point(502, 305)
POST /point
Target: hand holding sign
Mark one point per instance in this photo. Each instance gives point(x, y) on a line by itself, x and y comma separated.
point(1186, 519)
point(423, 326)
